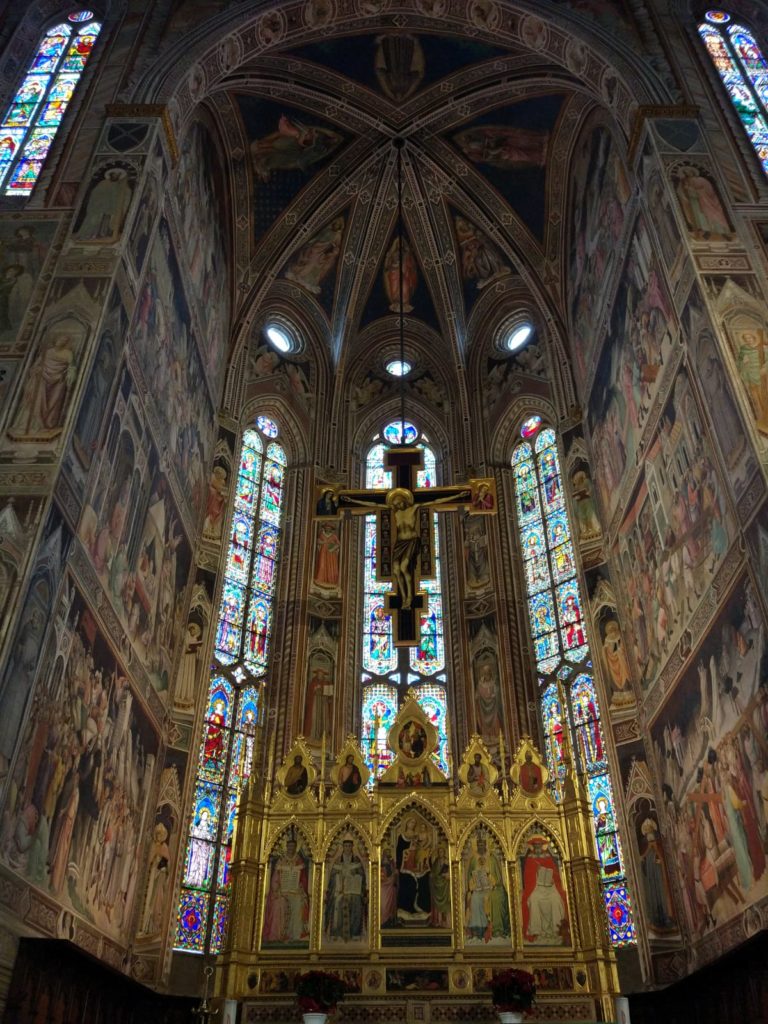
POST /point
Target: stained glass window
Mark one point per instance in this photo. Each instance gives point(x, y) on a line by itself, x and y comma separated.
point(387, 674)
point(37, 109)
point(570, 709)
point(743, 71)
point(241, 652)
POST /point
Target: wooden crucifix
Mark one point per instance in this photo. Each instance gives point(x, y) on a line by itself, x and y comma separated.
point(404, 536)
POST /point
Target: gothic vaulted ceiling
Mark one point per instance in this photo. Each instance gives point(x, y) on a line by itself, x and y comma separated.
point(486, 134)
point(488, 119)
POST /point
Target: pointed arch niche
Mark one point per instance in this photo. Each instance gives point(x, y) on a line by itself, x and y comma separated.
point(568, 702)
point(240, 661)
point(387, 671)
point(743, 70)
point(30, 124)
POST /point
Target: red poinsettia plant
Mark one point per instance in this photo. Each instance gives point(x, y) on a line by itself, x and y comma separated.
point(513, 990)
point(319, 991)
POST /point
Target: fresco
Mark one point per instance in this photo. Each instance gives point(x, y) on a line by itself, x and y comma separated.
point(204, 248)
point(132, 532)
point(107, 201)
point(34, 621)
point(89, 423)
point(162, 337)
point(676, 532)
point(711, 756)
point(288, 146)
point(187, 689)
point(313, 265)
point(19, 517)
point(481, 261)
point(217, 502)
point(509, 147)
point(727, 425)
point(398, 63)
point(163, 849)
point(84, 777)
point(702, 208)
point(600, 181)
point(144, 223)
point(24, 245)
point(630, 370)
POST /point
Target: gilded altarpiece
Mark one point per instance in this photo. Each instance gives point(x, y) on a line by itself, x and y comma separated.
point(416, 887)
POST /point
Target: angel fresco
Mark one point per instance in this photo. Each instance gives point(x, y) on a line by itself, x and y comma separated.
point(294, 146)
point(317, 258)
point(504, 147)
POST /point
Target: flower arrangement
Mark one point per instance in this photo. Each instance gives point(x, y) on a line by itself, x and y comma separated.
point(513, 990)
point(319, 991)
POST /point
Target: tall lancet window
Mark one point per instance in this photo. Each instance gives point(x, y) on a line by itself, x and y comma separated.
point(743, 70)
point(37, 109)
point(389, 671)
point(568, 701)
point(240, 661)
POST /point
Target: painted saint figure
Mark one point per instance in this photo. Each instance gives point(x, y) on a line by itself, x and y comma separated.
point(346, 898)
point(545, 919)
point(392, 276)
point(286, 912)
point(487, 910)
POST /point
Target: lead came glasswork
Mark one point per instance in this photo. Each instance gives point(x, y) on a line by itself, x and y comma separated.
point(743, 71)
point(229, 728)
point(29, 127)
point(379, 654)
point(558, 632)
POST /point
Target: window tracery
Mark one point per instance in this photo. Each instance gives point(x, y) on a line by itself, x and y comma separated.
point(386, 675)
point(568, 703)
point(743, 70)
point(241, 658)
point(37, 109)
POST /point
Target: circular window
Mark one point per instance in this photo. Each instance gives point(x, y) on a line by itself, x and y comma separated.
point(399, 368)
point(400, 433)
point(78, 16)
point(280, 337)
point(717, 17)
point(529, 427)
point(267, 426)
point(518, 336)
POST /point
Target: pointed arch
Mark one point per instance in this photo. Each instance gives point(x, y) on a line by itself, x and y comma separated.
point(743, 69)
point(34, 115)
point(241, 658)
point(385, 673)
point(568, 702)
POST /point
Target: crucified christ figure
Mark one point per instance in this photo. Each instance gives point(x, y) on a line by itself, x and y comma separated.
point(406, 540)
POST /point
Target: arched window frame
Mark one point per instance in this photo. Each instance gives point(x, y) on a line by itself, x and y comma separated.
point(568, 702)
point(54, 75)
point(239, 665)
point(383, 687)
point(747, 96)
